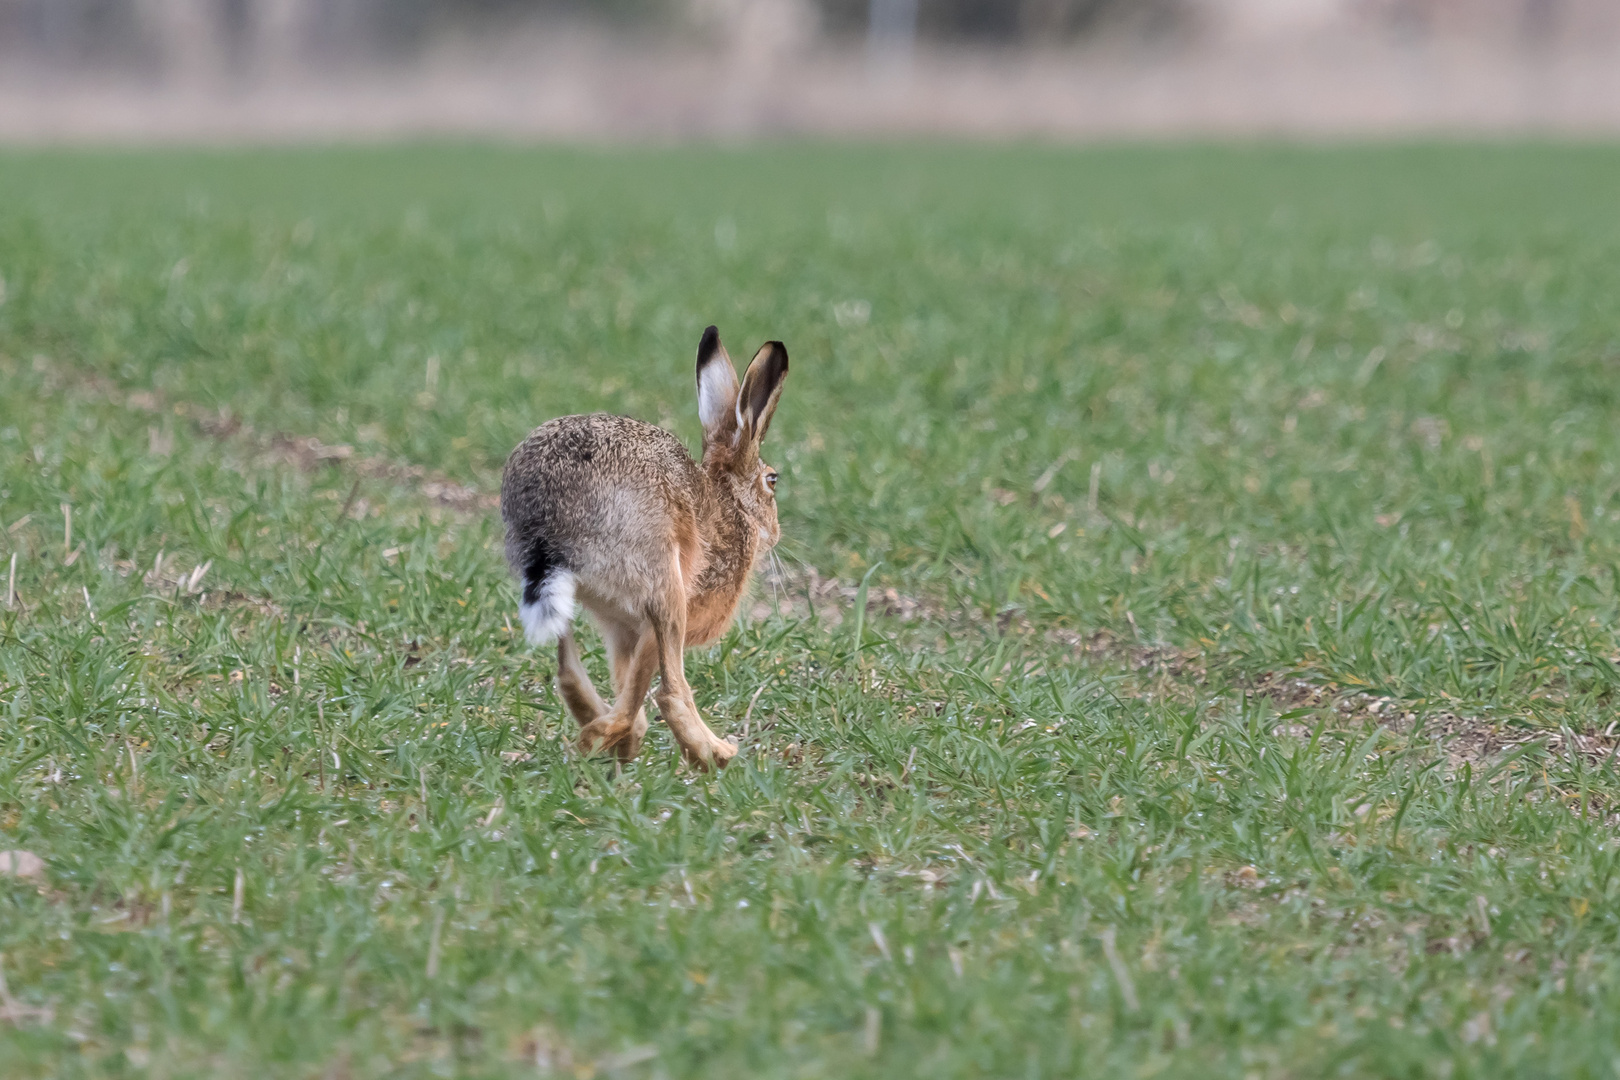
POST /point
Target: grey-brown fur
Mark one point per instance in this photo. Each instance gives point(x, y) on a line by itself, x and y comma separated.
point(615, 514)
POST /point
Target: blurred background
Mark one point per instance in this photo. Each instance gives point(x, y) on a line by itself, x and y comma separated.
point(226, 70)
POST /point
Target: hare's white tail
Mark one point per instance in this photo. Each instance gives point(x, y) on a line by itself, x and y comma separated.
point(547, 608)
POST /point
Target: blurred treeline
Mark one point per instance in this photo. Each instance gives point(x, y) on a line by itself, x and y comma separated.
point(165, 35)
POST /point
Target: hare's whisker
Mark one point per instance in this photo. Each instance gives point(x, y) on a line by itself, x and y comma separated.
point(777, 575)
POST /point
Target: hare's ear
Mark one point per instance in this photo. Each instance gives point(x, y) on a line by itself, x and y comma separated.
point(761, 389)
point(716, 387)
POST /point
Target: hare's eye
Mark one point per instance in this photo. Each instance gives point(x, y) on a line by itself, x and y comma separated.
point(770, 480)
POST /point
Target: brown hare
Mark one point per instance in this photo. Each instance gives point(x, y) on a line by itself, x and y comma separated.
point(615, 514)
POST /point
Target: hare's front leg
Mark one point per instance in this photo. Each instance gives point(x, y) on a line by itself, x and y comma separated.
point(633, 656)
point(700, 745)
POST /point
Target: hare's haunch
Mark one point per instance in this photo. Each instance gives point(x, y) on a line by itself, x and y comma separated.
point(615, 514)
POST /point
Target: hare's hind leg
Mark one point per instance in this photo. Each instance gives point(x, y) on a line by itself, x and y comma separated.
point(700, 745)
point(633, 654)
point(575, 684)
point(635, 658)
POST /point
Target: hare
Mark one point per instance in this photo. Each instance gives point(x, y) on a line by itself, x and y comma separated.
point(615, 514)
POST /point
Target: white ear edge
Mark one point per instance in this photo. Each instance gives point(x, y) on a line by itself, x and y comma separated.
point(717, 392)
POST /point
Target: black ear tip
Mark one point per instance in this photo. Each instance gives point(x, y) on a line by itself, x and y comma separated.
point(708, 346)
point(780, 352)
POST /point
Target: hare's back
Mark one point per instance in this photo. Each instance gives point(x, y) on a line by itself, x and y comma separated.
point(598, 449)
point(581, 485)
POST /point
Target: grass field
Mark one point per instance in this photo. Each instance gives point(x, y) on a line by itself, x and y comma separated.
point(1233, 691)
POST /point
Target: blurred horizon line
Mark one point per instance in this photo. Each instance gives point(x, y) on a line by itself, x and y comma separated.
point(248, 71)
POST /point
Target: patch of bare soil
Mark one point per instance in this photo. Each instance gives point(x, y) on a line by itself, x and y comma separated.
point(308, 454)
point(799, 592)
point(1167, 673)
point(1461, 739)
point(301, 452)
point(1106, 647)
point(1473, 740)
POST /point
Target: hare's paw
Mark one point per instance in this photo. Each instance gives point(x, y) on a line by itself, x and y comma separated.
point(711, 753)
point(612, 734)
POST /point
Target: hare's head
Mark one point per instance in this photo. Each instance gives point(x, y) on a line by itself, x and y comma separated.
point(735, 419)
